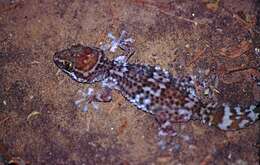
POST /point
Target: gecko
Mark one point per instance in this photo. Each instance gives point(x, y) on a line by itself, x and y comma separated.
point(171, 99)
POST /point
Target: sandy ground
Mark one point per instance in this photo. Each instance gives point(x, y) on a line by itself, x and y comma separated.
point(39, 122)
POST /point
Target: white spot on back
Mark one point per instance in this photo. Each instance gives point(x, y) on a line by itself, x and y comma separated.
point(252, 115)
point(162, 86)
point(243, 123)
point(189, 104)
point(155, 93)
point(147, 101)
point(156, 75)
point(165, 80)
point(120, 59)
point(124, 69)
point(157, 67)
point(151, 80)
point(121, 74)
point(238, 110)
point(110, 83)
point(184, 112)
point(226, 121)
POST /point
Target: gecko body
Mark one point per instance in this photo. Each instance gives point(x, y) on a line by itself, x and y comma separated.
point(151, 89)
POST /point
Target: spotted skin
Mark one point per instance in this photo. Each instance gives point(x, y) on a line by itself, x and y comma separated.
point(151, 89)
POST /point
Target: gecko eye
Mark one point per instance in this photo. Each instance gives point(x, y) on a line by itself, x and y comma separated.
point(67, 65)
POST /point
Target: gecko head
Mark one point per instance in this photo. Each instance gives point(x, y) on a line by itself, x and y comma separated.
point(79, 62)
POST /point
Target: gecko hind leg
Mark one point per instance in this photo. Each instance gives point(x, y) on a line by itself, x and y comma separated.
point(168, 137)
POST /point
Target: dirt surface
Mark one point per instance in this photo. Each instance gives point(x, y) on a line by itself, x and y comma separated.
point(39, 123)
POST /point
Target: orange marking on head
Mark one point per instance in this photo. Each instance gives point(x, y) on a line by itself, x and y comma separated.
point(87, 60)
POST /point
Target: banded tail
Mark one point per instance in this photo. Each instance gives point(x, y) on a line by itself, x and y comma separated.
point(230, 118)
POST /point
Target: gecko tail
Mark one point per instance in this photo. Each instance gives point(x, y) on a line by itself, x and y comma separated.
point(226, 117)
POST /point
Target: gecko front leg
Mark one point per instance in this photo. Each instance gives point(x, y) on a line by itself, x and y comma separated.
point(90, 96)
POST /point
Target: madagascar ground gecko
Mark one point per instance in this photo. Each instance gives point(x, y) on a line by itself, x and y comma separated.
point(151, 89)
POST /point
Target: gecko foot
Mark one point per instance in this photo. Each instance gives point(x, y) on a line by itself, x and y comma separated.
point(89, 96)
point(123, 42)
